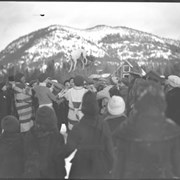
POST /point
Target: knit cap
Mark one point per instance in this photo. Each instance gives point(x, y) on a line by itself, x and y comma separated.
point(10, 124)
point(116, 105)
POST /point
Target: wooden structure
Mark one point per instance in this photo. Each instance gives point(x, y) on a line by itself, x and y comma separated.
point(126, 67)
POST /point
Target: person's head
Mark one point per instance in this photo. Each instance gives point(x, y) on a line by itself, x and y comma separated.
point(171, 82)
point(20, 78)
point(79, 81)
point(55, 89)
point(100, 87)
point(113, 80)
point(114, 91)
point(116, 105)
point(10, 124)
point(151, 99)
point(66, 84)
point(71, 81)
point(46, 119)
point(85, 84)
point(49, 84)
point(89, 104)
point(42, 77)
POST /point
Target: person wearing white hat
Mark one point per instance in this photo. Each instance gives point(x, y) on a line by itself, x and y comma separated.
point(116, 110)
point(172, 81)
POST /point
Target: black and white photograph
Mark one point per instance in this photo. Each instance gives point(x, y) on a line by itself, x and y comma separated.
point(89, 90)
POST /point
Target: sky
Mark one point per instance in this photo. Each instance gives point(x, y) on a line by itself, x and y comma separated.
point(20, 18)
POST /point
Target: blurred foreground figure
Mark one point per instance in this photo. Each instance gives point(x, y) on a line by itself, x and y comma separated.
point(44, 147)
point(11, 149)
point(92, 139)
point(173, 98)
point(147, 144)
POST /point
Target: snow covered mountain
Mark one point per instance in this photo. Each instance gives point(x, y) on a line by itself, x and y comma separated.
point(115, 43)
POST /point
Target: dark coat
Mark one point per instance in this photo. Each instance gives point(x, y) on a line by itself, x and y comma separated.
point(10, 100)
point(61, 111)
point(3, 104)
point(94, 156)
point(147, 149)
point(114, 122)
point(173, 104)
point(11, 155)
point(44, 155)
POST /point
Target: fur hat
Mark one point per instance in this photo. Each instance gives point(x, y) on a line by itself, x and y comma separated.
point(46, 118)
point(150, 97)
point(116, 105)
point(173, 81)
point(79, 80)
point(89, 104)
point(10, 124)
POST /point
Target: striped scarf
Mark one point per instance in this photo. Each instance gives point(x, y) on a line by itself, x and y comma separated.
point(23, 104)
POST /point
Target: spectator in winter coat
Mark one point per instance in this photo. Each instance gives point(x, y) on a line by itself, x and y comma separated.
point(116, 109)
point(133, 80)
point(119, 90)
point(63, 106)
point(173, 104)
point(74, 97)
point(35, 103)
point(11, 149)
point(92, 139)
point(44, 147)
point(148, 144)
point(171, 82)
point(57, 108)
point(104, 93)
point(43, 93)
point(133, 92)
point(23, 102)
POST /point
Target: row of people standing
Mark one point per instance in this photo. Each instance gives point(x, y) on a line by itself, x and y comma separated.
point(41, 151)
point(143, 144)
point(33, 159)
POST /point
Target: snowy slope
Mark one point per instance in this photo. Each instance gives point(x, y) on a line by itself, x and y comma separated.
point(57, 42)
